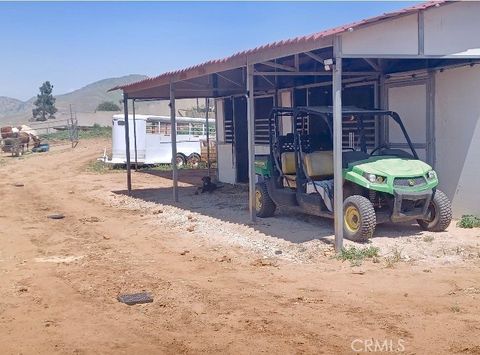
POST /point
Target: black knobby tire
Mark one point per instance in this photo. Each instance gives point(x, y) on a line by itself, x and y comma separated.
point(440, 210)
point(181, 160)
point(264, 205)
point(194, 160)
point(365, 219)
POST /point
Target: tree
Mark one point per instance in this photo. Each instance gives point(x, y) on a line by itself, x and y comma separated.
point(108, 106)
point(45, 103)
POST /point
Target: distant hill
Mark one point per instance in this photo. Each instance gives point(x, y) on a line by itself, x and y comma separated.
point(11, 106)
point(85, 100)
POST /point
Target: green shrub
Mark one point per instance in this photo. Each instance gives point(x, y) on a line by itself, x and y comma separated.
point(469, 221)
point(108, 106)
point(96, 131)
point(357, 255)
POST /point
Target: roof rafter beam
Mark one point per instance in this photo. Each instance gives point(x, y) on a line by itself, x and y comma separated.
point(279, 66)
point(268, 80)
point(192, 83)
point(229, 80)
point(315, 73)
point(373, 64)
point(208, 89)
point(315, 57)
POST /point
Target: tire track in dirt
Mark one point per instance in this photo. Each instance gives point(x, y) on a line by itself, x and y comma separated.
point(203, 301)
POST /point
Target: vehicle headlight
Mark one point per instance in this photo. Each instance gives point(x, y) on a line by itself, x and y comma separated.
point(431, 175)
point(374, 178)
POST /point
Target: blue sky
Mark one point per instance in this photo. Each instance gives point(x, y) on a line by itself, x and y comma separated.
point(73, 44)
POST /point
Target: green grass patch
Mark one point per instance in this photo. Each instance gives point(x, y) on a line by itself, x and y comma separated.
point(356, 255)
point(99, 167)
point(96, 131)
point(469, 221)
point(395, 257)
point(428, 238)
point(158, 167)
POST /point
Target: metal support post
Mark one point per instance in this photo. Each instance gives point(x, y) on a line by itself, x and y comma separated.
point(207, 107)
point(173, 135)
point(127, 143)
point(135, 134)
point(337, 153)
point(251, 142)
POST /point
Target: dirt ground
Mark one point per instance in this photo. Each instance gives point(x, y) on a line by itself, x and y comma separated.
point(220, 284)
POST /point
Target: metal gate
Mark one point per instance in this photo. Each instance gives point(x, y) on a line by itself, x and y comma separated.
point(413, 101)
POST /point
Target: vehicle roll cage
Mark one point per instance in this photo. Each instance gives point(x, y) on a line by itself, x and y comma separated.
point(326, 113)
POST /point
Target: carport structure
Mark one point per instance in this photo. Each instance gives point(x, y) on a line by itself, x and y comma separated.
point(385, 61)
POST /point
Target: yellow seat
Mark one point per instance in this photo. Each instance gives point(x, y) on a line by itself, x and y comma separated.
point(288, 163)
point(288, 169)
point(319, 165)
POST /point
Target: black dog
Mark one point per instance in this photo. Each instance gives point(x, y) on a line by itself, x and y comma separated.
point(207, 185)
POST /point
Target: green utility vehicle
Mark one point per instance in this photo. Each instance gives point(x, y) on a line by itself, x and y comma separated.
point(379, 183)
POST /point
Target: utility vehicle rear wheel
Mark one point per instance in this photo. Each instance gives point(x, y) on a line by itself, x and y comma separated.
point(264, 205)
point(439, 212)
point(359, 220)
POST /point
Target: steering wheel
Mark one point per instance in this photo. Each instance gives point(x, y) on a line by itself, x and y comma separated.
point(378, 148)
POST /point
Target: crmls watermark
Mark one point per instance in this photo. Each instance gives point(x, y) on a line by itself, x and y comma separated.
point(378, 345)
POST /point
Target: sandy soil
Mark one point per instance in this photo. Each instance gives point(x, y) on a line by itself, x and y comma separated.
point(219, 284)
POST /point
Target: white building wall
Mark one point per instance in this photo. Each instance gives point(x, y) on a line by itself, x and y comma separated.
point(397, 36)
point(457, 129)
point(453, 29)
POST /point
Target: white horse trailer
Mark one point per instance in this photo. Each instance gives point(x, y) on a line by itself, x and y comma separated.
point(150, 136)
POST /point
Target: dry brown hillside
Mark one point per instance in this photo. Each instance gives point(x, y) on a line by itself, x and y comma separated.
point(84, 101)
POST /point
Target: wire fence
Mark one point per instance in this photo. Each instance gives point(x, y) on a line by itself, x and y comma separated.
point(47, 127)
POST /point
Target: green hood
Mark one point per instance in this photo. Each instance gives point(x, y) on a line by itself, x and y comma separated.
point(392, 166)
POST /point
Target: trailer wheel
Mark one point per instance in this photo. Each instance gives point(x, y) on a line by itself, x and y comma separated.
point(181, 160)
point(359, 219)
point(194, 160)
point(440, 214)
point(264, 205)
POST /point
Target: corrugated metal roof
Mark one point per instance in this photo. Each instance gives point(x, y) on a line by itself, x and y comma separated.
point(240, 59)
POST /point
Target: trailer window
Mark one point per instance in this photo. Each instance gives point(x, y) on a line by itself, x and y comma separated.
point(152, 127)
point(165, 128)
point(183, 128)
point(198, 129)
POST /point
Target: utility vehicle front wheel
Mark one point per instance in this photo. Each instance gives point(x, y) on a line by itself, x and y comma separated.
point(439, 214)
point(359, 220)
point(264, 205)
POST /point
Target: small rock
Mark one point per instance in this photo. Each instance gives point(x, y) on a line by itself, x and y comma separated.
point(190, 228)
point(185, 252)
point(264, 262)
point(18, 184)
point(224, 259)
point(56, 216)
point(23, 289)
point(278, 252)
point(157, 211)
point(106, 237)
point(92, 219)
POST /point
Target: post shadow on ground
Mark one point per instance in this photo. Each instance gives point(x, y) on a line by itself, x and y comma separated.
point(230, 204)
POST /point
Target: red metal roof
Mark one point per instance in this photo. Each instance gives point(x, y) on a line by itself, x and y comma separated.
point(239, 59)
